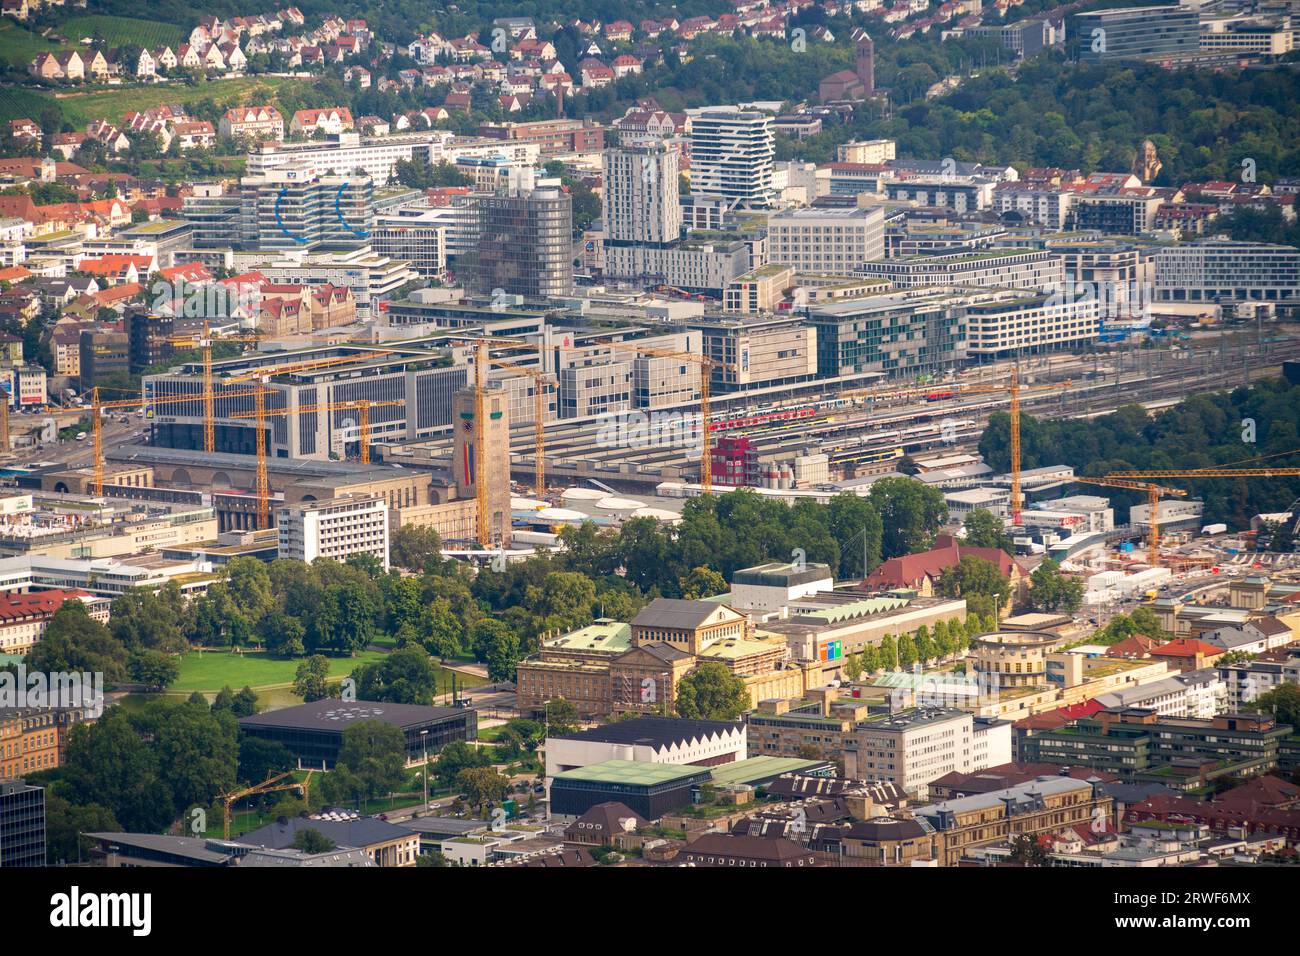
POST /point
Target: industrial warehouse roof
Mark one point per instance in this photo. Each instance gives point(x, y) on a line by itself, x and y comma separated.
point(760, 770)
point(656, 732)
point(336, 715)
point(635, 773)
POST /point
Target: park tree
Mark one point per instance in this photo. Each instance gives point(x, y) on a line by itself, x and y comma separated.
point(856, 526)
point(154, 669)
point(311, 680)
point(984, 529)
point(66, 824)
point(75, 642)
point(911, 513)
point(1052, 590)
point(482, 785)
point(310, 840)
point(701, 582)
point(140, 618)
point(1282, 701)
point(455, 757)
point(406, 676)
point(712, 692)
point(973, 576)
point(107, 763)
point(371, 762)
point(259, 759)
point(412, 547)
point(561, 716)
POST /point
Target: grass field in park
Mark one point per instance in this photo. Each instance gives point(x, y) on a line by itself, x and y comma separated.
point(209, 671)
point(118, 31)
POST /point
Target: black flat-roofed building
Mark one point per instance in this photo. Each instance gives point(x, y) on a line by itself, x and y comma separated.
point(22, 824)
point(313, 732)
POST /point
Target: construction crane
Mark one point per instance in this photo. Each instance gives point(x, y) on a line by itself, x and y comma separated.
point(4, 423)
point(1228, 471)
point(97, 409)
point(269, 785)
point(539, 411)
point(1154, 492)
point(361, 406)
point(262, 376)
point(1014, 388)
point(482, 362)
point(204, 342)
point(706, 365)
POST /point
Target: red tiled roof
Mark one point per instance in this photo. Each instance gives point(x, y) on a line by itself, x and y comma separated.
point(909, 570)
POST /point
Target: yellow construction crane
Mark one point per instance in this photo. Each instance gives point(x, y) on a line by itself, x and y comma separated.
point(204, 341)
point(482, 361)
point(360, 406)
point(4, 421)
point(539, 412)
point(706, 365)
point(1228, 471)
point(262, 376)
point(1153, 498)
point(269, 785)
point(1014, 389)
point(97, 409)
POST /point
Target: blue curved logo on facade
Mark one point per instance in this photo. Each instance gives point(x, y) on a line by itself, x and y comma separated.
point(338, 210)
point(279, 221)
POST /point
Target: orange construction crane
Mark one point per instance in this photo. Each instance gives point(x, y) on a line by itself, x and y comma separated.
point(539, 410)
point(96, 420)
point(1153, 499)
point(204, 341)
point(361, 406)
point(262, 376)
point(1014, 388)
point(706, 365)
point(482, 362)
point(1227, 471)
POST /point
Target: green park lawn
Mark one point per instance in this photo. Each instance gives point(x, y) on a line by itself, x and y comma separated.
point(209, 671)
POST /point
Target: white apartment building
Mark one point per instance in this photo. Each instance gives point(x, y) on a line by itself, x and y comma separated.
point(994, 270)
point(695, 266)
point(914, 748)
point(958, 193)
point(826, 241)
point(640, 195)
point(335, 528)
point(1012, 323)
point(1211, 270)
point(1198, 694)
point(344, 153)
point(732, 153)
point(1042, 204)
point(874, 151)
point(416, 235)
point(371, 276)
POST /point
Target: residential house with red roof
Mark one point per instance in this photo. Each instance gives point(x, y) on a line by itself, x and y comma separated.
point(920, 572)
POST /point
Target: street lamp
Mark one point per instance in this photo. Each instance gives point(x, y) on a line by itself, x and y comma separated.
point(424, 771)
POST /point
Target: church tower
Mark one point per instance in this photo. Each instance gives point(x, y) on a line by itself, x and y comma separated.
point(867, 65)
